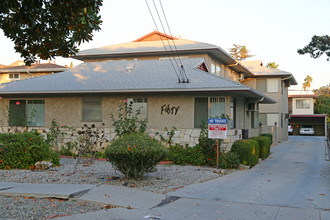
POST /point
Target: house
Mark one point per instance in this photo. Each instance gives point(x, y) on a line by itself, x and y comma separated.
point(18, 70)
point(301, 110)
point(274, 83)
point(199, 81)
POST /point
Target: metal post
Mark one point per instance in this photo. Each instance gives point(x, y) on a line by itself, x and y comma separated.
point(217, 153)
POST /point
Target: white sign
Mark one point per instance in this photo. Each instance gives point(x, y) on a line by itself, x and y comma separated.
point(217, 131)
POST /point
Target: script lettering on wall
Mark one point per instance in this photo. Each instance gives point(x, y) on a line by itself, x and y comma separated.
point(171, 110)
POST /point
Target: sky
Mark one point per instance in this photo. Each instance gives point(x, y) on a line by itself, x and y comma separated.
point(272, 30)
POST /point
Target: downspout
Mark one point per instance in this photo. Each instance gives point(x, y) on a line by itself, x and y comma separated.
point(29, 73)
point(287, 78)
point(233, 64)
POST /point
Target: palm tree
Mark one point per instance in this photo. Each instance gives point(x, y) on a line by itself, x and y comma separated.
point(307, 82)
point(272, 65)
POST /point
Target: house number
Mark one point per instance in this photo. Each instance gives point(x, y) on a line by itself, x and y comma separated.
point(169, 110)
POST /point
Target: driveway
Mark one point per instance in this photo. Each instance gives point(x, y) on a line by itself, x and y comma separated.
point(293, 183)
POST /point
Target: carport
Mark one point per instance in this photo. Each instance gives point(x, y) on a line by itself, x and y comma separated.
point(319, 121)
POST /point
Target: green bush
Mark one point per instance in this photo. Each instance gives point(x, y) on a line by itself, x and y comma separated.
point(68, 148)
point(208, 146)
point(23, 150)
point(247, 150)
point(135, 154)
point(270, 137)
point(186, 155)
point(229, 160)
point(264, 146)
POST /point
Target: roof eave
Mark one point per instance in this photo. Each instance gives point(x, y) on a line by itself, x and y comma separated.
point(33, 70)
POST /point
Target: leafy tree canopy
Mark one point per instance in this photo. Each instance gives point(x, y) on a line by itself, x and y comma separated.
point(322, 105)
point(239, 53)
point(323, 90)
point(272, 65)
point(318, 46)
point(47, 28)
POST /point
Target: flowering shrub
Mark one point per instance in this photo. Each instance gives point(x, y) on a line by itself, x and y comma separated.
point(127, 121)
point(23, 150)
point(134, 154)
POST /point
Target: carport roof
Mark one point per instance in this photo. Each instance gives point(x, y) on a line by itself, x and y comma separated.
point(309, 116)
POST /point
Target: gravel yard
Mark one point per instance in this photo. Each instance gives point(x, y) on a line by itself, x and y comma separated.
point(165, 178)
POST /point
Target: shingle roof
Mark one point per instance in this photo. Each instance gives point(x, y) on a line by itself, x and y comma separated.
point(261, 71)
point(43, 67)
point(144, 48)
point(127, 76)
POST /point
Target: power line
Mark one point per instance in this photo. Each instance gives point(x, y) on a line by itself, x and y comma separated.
point(176, 49)
point(162, 39)
point(182, 77)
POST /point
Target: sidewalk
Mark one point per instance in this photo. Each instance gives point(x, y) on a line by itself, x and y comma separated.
point(122, 197)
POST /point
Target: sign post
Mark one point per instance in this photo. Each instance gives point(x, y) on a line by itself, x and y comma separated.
point(217, 129)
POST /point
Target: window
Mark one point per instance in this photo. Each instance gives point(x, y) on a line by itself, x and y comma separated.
point(92, 109)
point(272, 85)
point(212, 107)
point(213, 67)
point(26, 113)
point(139, 107)
point(303, 104)
point(13, 76)
point(262, 85)
point(217, 70)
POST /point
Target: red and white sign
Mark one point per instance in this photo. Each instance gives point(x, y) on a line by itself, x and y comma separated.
point(217, 131)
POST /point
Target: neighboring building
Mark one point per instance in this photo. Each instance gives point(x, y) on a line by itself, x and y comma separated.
point(301, 110)
point(274, 83)
point(302, 104)
point(203, 83)
point(18, 70)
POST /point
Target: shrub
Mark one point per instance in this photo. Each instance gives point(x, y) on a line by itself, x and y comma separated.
point(186, 155)
point(68, 148)
point(264, 146)
point(135, 154)
point(270, 137)
point(23, 150)
point(127, 121)
point(229, 160)
point(247, 150)
point(177, 154)
point(208, 146)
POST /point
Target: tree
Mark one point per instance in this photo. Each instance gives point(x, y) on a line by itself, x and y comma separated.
point(317, 46)
point(272, 65)
point(322, 105)
point(322, 90)
point(307, 82)
point(239, 53)
point(45, 29)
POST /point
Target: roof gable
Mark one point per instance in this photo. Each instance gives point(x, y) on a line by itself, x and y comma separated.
point(155, 36)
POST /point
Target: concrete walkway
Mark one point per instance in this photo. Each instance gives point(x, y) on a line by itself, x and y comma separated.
point(294, 183)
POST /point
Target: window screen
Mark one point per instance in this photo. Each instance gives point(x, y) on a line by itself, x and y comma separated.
point(92, 109)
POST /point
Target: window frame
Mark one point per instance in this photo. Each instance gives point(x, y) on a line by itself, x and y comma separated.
point(14, 78)
point(25, 120)
point(98, 109)
point(302, 104)
point(137, 100)
point(208, 108)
